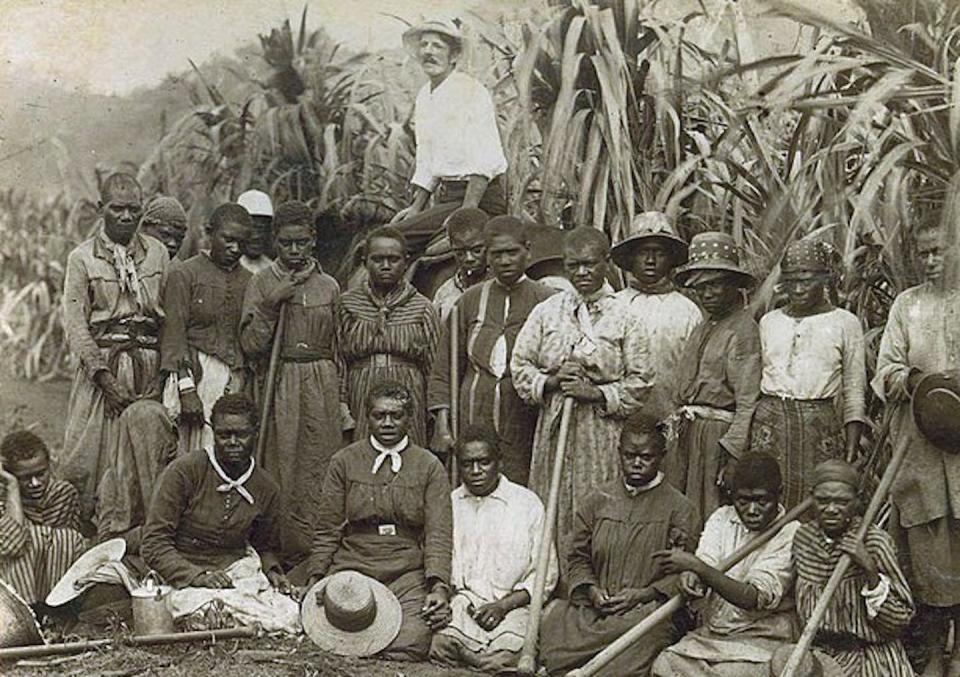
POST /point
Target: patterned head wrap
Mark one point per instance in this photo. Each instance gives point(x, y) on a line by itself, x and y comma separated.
point(835, 470)
point(807, 257)
point(164, 209)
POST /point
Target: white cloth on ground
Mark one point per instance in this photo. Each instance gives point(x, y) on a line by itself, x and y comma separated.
point(251, 600)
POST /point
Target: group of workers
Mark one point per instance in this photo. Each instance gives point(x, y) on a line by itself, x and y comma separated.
point(279, 449)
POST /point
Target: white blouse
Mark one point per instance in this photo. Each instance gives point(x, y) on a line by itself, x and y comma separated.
point(816, 357)
point(456, 129)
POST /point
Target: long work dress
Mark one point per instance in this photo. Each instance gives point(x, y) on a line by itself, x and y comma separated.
point(669, 318)
point(112, 323)
point(614, 538)
point(391, 338)
point(306, 424)
point(202, 332)
point(604, 338)
point(489, 318)
point(718, 385)
point(393, 526)
point(861, 630)
point(923, 332)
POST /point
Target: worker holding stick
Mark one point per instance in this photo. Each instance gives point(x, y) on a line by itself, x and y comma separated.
point(744, 615)
point(288, 316)
point(852, 598)
point(584, 345)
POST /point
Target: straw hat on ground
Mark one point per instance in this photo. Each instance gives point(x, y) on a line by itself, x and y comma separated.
point(646, 227)
point(713, 252)
point(350, 614)
point(71, 586)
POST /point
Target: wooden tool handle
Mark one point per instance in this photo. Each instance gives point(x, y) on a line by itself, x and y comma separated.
point(527, 664)
point(820, 610)
point(270, 384)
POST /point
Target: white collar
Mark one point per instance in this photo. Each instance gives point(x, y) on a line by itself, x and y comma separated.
point(393, 452)
point(652, 484)
point(228, 482)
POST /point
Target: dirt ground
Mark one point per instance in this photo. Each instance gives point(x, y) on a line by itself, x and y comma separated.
point(42, 407)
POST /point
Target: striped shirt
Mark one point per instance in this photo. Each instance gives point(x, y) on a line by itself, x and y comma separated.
point(58, 507)
point(394, 338)
point(35, 553)
point(864, 644)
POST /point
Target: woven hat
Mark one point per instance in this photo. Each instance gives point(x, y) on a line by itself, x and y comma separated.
point(649, 226)
point(806, 256)
point(713, 251)
point(350, 614)
point(936, 410)
point(447, 27)
point(67, 588)
point(256, 202)
point(813, 664)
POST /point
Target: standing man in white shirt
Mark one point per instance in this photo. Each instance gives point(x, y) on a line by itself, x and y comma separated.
point(459, 160)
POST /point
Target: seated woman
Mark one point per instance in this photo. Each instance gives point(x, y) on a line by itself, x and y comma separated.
point(613, 582)
point(39, 519)
point(745, 614)
point(873, 604)
point(386, 513)
point(211, 530)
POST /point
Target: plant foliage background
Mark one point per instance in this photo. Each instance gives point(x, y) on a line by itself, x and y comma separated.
point(606, 107)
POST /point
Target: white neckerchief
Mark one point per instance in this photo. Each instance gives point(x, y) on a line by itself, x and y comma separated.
point(393, 452)
point(229, 483)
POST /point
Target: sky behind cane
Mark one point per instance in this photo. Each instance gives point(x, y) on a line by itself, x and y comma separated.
point(114, 46)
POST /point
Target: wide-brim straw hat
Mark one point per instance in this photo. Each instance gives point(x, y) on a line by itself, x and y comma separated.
point(358, 615)
point(713, 251)
point(645, 227)
point(814, 663)
point(411, 37)
point(936, 410)
point(87, 564)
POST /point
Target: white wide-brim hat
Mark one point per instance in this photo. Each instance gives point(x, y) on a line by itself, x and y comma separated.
point(87, 564)
point(358, 615)
point(411, 37)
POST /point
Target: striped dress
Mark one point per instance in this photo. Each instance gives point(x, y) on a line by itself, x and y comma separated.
point(393, 338)
point(862, 645)
point(35, 553)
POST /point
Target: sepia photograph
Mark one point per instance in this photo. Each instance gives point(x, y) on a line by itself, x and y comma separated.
point(427, 338)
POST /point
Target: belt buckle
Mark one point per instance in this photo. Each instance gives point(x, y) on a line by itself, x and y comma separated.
point(381, 360)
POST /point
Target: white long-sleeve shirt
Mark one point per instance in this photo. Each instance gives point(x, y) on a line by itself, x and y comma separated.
point(495, 543)
point(457, 135)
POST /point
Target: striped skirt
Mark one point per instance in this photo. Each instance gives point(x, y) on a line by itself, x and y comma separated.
point(799, 434)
